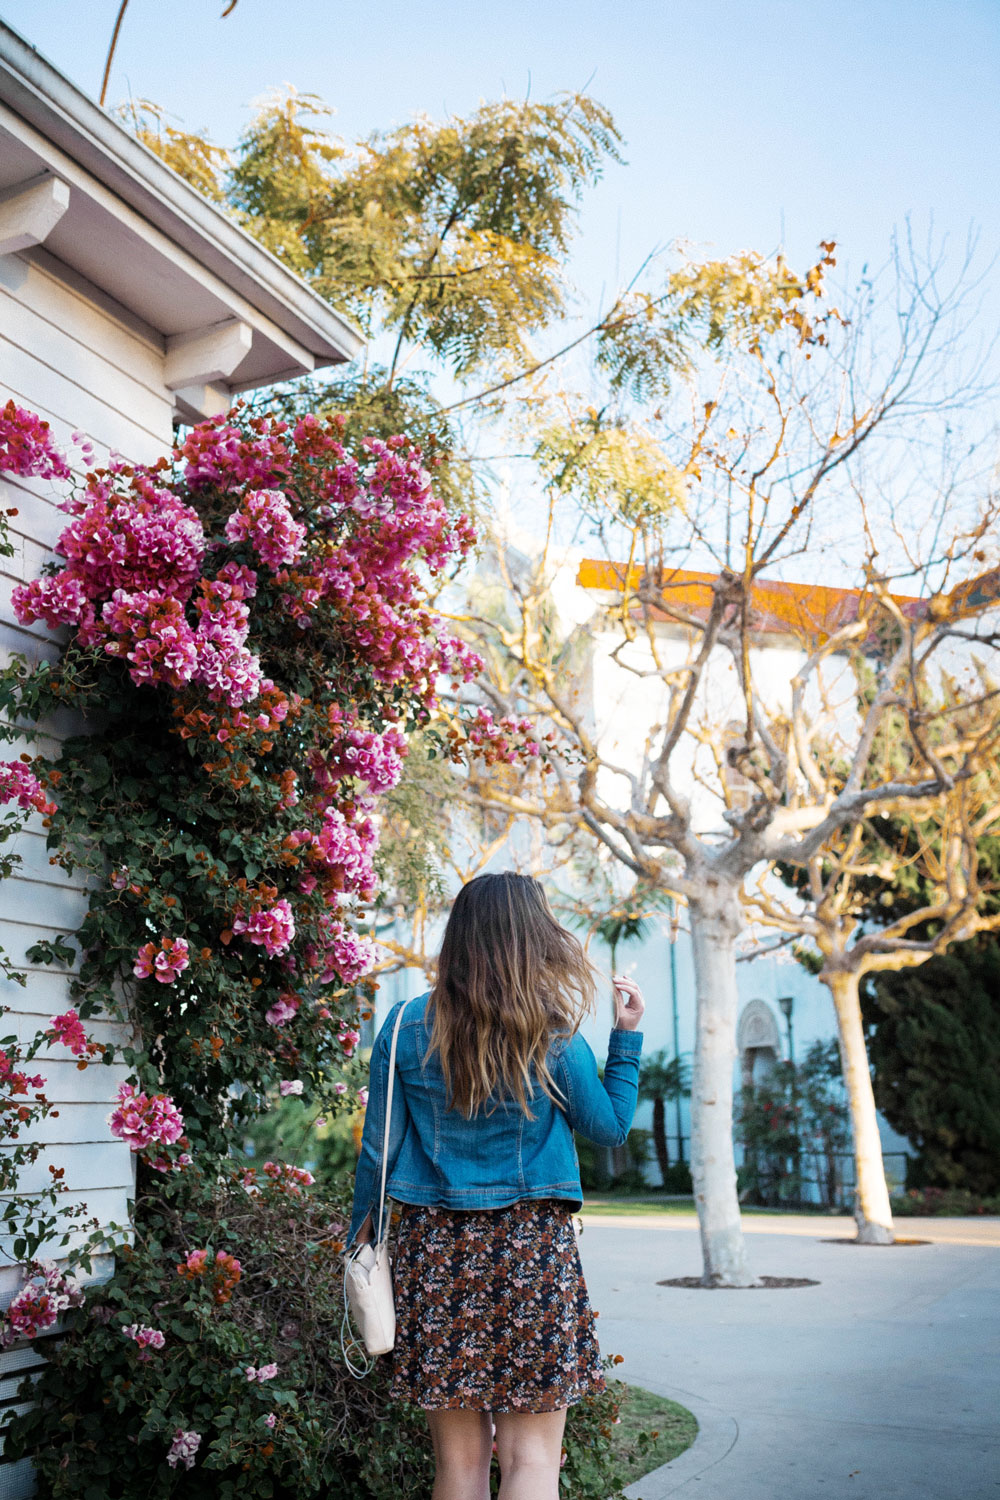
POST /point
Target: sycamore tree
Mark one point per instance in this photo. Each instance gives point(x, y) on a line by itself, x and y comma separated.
point(690, 707)
point(727, 419)
point(933, 849)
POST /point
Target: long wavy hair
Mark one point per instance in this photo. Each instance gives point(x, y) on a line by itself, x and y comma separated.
point(509, 979)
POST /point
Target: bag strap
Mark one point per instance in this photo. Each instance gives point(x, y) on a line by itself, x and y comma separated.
point(388, 1121)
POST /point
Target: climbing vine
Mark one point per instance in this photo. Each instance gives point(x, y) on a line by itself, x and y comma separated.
point(247, 641)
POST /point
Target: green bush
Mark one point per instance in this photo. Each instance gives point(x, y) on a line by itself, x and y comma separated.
point(947, 1202)
point(677, 1179)
point(105, 1411)
point(934, 1042)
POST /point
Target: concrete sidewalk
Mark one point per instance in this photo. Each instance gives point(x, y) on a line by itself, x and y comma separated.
point(881, 1382)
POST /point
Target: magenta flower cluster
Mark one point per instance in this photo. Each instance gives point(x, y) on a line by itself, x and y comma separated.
point(36, 1307)
point(132, 584)
point(346, 848)
point(19, 784)
point(163, 960)
point(68, 1029)
point(144, 1120)
point(264, 519)
point(269, 927)
point(507, 739)
point(373, 758)
point(26, 446)
point(350, 955)
point(146, 1338)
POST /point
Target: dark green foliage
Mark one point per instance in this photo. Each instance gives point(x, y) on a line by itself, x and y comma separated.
point(934, 1041)
point(103, 1416)
point(945, 1203)
point(662, 1079)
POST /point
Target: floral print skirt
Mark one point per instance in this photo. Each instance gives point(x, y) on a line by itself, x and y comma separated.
point(492, 1311)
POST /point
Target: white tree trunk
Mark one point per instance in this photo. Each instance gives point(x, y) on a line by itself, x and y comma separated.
point(872, 1211)
point(716, 921)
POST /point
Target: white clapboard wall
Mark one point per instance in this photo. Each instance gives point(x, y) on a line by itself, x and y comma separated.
point(87, 366)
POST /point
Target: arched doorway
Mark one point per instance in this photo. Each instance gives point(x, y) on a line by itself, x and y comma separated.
point(758, 1041)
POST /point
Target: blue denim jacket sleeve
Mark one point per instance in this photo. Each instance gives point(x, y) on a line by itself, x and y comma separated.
point(600, 1110)
point(368, 1176)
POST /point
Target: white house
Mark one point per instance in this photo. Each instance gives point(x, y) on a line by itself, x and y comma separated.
point(128, 303)
point(783, 1008)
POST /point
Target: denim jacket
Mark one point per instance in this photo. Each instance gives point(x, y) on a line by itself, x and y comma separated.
point(438, 1157)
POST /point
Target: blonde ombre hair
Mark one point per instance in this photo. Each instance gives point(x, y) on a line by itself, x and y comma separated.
point(510, 978)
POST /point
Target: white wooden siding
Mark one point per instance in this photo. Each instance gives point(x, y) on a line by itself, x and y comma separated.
point(68, 353)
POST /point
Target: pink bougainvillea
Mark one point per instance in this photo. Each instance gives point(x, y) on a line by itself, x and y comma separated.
point(45, 1295)
point(271, 927)
point(345, 847)
point(505, 740)
point(67, 1030)
point(146, 1338)
point(284, 1009)
point(19, 784)
point(13, 1079)
point(348, 1039)
point(183, 1449)
point(222, 1272)
point(283, 1173)
point(26, 446)
point(259, 546)
point(162, 961)
point(351, 956)
point(264, 518)
point(144, 1120)
point(376, 759)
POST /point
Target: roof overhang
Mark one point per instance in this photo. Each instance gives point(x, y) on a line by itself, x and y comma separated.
point(116, 215)
point(804, 611)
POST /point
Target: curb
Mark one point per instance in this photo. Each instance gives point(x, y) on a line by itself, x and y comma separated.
point(718, 1434)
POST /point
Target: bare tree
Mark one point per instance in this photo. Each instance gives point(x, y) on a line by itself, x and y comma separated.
point(833, 896)
point(688, 750)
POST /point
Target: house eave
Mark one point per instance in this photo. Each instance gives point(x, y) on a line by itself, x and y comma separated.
point(35, 92)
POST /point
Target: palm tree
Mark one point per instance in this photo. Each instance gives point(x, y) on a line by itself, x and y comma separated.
point(662, 1078)
point(628, 923)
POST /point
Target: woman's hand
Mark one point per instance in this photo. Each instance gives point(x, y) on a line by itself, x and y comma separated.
point(629, 1004)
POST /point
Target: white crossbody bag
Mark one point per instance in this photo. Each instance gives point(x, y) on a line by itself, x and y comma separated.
point(367, 1270)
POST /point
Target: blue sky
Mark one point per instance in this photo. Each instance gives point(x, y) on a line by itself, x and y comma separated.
point(744, 123)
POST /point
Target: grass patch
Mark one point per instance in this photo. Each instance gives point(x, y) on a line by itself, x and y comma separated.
point(641, 1206)
point(642, 1414)
point(623, 1205)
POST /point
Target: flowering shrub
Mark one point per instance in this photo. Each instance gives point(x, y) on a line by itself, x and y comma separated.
point(250, 620)
point(250, 631)
point(258, 1382)
point(948, 1202)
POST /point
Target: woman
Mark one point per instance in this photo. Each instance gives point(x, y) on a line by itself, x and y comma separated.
point(493, 1323)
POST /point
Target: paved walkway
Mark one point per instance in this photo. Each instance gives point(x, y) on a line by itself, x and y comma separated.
point(881, 1383)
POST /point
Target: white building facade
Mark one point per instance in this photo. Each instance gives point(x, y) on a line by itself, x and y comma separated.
point(783, 1008)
